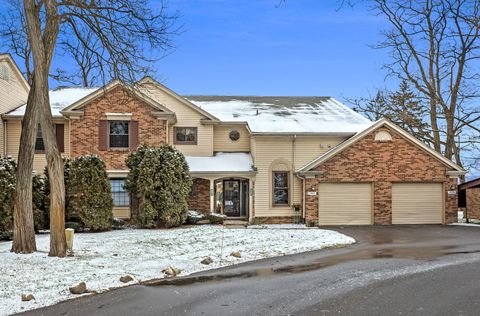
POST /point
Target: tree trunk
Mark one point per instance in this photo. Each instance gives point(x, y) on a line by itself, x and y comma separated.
point(42, 47)
point(58, 242)
point(23, 229)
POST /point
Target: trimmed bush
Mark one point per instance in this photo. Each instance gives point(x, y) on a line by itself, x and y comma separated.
point(159, 178)
point(7, 193)
point(41, 217)
point(89, 195)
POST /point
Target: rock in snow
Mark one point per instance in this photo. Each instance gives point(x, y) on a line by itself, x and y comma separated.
point(126, 279)
point(207, 261)
point(171, 271)
point(27, 297)
point(236, 254)
point(80, 288)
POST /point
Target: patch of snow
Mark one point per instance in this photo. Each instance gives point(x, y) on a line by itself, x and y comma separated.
point(325, 115)
point(60, 99)
point(221, 162)
point(281, 226)
point(465, 224)
point(102, 258)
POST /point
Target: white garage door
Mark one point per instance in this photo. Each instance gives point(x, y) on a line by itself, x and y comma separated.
point(345, 204)
point(417, 203)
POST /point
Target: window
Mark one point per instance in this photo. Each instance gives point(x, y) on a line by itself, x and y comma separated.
point(119, 194)
point(234, 135)
point(39, 144)
point(5, 72)
point(59, 133)
point(118, 134)
point(186, 135)
point(280, 188)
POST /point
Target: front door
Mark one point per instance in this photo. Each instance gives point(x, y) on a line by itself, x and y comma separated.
point(231, 198)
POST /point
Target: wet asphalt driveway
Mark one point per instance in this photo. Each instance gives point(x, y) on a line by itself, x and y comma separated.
point(397, 270)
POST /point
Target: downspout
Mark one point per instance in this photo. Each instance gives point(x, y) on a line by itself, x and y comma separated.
point(4, 140)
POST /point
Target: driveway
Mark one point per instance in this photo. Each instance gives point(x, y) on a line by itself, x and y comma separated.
point(420, 270)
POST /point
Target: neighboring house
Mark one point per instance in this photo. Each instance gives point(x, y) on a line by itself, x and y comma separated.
point(13, 91)
point(469, 199)
point(261, 159)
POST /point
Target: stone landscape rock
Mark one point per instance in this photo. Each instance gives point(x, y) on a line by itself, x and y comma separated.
point(171, 271)
point(207, 261)
point(236, 254)
point(126, 279)
point(27, 297)
point(80, 288)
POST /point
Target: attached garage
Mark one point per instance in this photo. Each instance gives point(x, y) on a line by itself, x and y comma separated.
point(417, 203)
point(345, 203)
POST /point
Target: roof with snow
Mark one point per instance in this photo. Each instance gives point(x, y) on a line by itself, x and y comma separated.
point(262, 114)
point(284, 114)
point(221, 162)
point(59, 99)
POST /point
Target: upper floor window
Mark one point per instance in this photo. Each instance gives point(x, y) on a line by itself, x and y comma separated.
point(5, 72)
point(185, 135)
point(40, 144)
point(280, 194)
point(118, 134)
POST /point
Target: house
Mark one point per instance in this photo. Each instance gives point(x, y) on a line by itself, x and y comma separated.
point(469, 199)
point(261, 159)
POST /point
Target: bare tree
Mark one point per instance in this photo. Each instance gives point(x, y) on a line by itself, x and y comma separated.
point(85, 72)
point(434, 45)
point(124, 31)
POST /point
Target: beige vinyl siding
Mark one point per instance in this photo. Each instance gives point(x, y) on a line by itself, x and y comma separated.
point(14, 129)
point(222, 141)
point(12, 91)
point(186, 117)
point(417, 203)
point(277, 154)
point(345, 204)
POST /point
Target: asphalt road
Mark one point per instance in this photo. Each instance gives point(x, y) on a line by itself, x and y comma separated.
point(401, 270)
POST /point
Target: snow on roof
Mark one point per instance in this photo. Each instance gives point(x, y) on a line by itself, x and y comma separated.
point(59, 99)
point(284, 114)
point(221, 162)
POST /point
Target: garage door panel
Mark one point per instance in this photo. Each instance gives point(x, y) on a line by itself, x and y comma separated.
point(417, 203)
point(345, 204)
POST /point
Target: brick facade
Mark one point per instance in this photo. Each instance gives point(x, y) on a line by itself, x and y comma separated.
point(381, 163)
point(84, 135)
point(199, 199)
point(473, 203)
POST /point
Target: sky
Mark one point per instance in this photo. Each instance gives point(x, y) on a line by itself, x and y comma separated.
point(300, 47)
point(271, 47)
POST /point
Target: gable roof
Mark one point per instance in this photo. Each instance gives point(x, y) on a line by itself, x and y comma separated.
point(383, 122)
point(7, 57)
point(285, 114)
point(59, 99)
point(109, 87)
point(177, 97)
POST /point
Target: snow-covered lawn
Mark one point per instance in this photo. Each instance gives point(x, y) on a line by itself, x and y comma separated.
point(102, 258)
